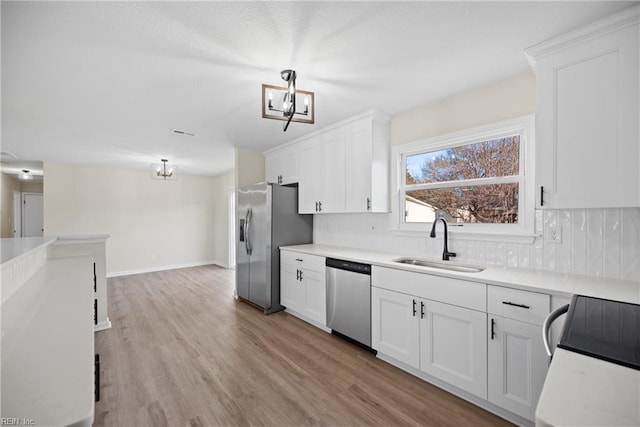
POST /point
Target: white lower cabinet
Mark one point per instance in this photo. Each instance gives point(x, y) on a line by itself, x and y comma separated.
point(303, 286)
point(517, 365)
point(517, 360)
point(394, 326)
point(453, 345)
point(442, 340)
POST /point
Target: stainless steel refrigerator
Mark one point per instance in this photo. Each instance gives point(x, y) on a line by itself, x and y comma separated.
point(267, 218)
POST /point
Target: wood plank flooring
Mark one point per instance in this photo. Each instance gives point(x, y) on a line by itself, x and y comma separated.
point(183, 352)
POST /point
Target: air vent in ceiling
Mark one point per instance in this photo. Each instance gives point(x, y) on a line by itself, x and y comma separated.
point(183, 132)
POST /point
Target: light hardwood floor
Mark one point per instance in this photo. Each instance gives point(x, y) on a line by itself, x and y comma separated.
point(183, 352)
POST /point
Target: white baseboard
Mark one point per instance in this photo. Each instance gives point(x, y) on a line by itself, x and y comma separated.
point(165, 267)
point(105, 324)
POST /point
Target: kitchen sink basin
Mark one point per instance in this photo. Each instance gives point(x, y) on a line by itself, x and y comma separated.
point(441, 265)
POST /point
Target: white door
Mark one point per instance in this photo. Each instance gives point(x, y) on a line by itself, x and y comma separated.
point(17, 214)
point(517, 365)
point(453, 346)
point(395, 325)
point(32, 215)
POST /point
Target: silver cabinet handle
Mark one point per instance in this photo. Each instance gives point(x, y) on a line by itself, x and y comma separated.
point(546, 326)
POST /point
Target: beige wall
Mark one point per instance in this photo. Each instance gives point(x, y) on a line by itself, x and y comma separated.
point(506, 99)
point(221, 186)
point(31, 187)
point(154, 224)
point(8, 184)
point(249, 167)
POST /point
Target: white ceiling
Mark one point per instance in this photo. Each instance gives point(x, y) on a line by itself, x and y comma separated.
point(105, 82)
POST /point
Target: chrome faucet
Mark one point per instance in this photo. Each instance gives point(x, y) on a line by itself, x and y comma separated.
point(445, 254)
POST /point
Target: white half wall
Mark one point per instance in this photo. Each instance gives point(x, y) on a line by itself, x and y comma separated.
point(153, 224)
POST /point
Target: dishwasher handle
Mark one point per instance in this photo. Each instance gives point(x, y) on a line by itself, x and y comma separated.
point(546, 326)
point(355, 267)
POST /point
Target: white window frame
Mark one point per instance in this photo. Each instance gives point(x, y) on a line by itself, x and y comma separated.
point(523, 231)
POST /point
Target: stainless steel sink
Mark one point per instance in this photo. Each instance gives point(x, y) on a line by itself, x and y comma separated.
point(441, 265)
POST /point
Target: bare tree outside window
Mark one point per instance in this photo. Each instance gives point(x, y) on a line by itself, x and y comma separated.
point(474, 183)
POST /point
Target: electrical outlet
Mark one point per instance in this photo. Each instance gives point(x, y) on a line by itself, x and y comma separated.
point(554, 235)
point(154, 257)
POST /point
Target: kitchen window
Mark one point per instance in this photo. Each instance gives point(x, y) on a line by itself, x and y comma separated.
point(480, 179)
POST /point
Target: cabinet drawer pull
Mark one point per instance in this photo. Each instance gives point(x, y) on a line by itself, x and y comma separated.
point(515, 304)
point(422, 309)
point(298, 259)
point(541, 195)
point(301, 275)
point(493, 328)
point(297, 274)
point(414, 308)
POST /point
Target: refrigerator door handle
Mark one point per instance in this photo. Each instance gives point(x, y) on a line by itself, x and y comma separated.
point(246, 229)
point(249, 230)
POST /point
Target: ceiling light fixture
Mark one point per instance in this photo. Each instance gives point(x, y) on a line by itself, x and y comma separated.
point(284, 100)
point(164, 171)
point(25, 175)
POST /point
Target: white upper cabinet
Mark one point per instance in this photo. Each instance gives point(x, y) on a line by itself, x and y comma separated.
point(282, 165)
point(587, 118)
point(311, 175)
point(367, 161)
point(340, 168)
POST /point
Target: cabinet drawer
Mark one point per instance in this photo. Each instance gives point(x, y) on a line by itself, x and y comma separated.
point(306, 261)
point(530, 307)
point(437, 288)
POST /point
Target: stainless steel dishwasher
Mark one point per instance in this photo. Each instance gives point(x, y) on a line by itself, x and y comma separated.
point(349, 299)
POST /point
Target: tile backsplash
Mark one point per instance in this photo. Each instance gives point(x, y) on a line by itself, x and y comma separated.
point(594, 242)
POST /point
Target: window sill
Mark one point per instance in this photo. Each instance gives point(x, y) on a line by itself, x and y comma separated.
point(518, 238)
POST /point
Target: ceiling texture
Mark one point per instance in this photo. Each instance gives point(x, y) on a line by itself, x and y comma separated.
point(103, 83)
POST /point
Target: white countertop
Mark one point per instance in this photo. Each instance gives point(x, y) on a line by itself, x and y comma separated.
point(584, 391)
point(11, 248)
point(47, 346)
point(537, 281)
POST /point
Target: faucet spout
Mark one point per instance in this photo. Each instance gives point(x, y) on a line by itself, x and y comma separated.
point(445, 253)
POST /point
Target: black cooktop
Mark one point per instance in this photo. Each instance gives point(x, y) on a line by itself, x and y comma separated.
point(605, 329)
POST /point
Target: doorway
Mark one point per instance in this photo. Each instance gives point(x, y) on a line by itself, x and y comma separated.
point(32, 215)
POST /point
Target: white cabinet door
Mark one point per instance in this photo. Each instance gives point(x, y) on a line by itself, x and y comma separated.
point(311, 176)
point(291, 289)
point(367, 159)
point(453, 345)
point(314, 299)
point(587, 120)
point(283, 164)
point(273, 166)
point(332, 197)
point(359, 155)
point(395, 325)
point(517, 365)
